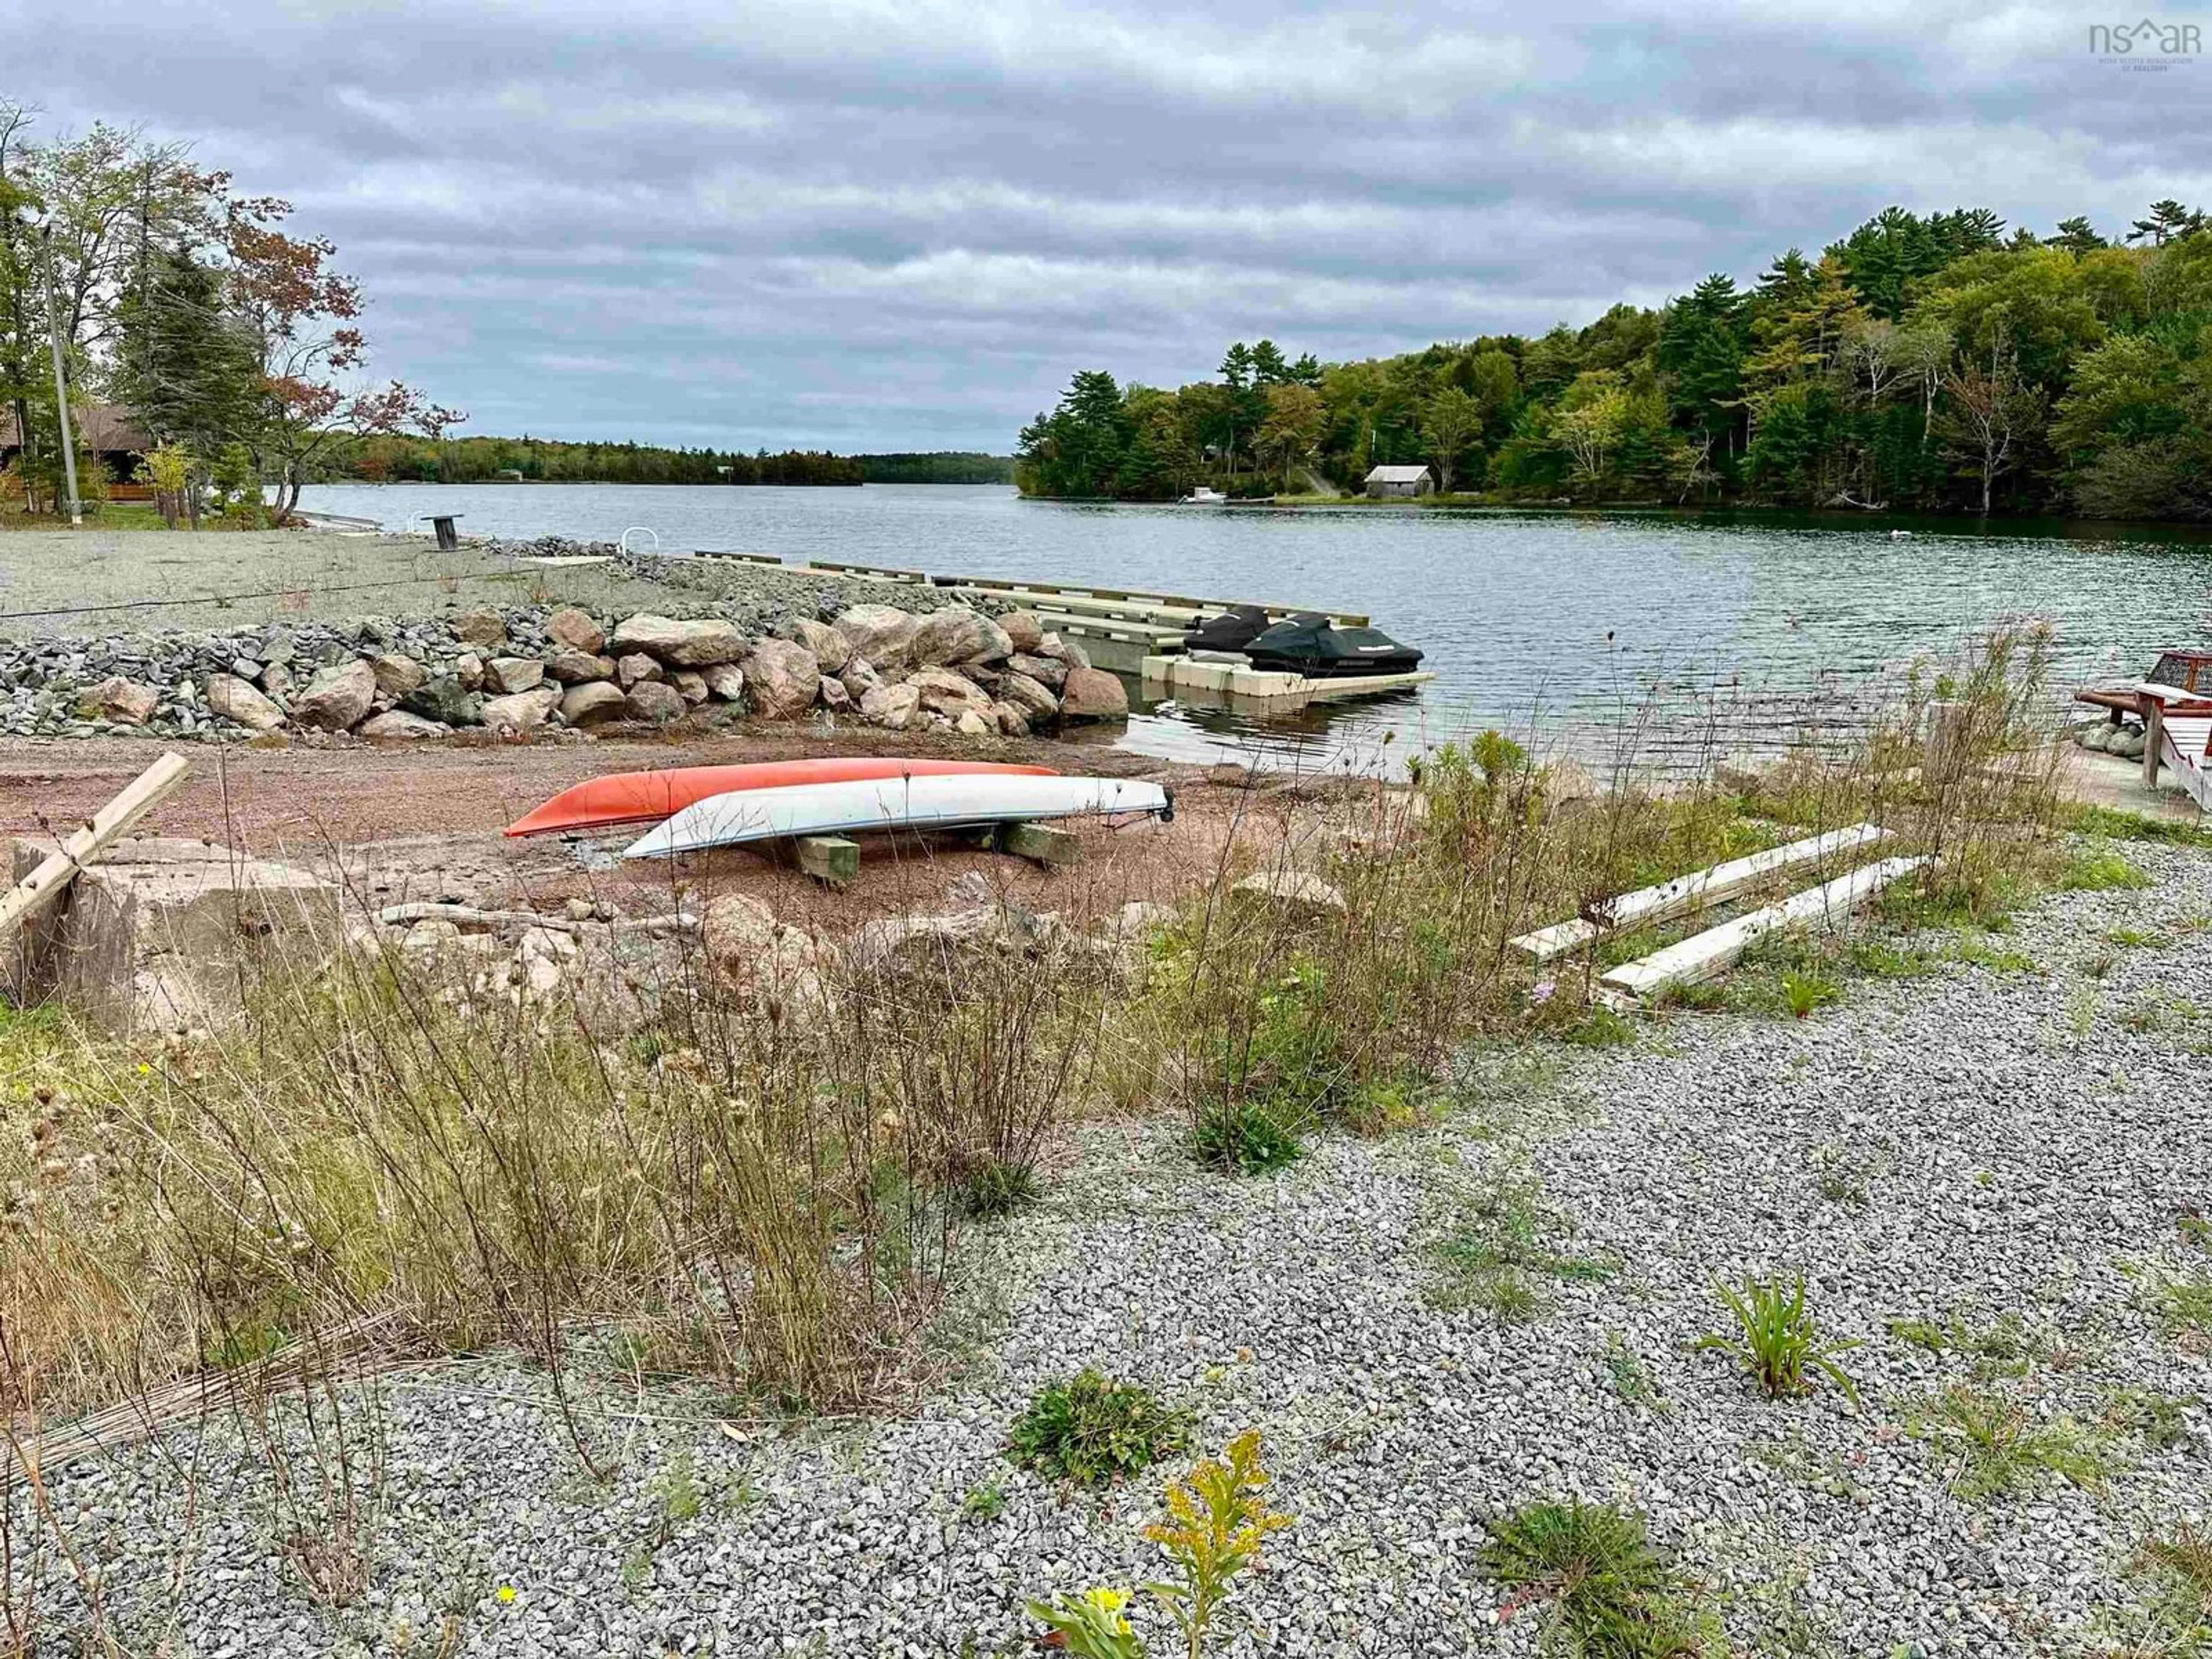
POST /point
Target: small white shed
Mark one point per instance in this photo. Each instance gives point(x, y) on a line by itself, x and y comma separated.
point(1400, 481)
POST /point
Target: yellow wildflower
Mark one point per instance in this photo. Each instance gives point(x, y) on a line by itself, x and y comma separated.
point(506, 1594)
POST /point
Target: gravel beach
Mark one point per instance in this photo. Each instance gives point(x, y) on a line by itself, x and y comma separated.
point(1999, 1148)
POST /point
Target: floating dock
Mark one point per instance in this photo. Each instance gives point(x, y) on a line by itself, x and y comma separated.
point(1240, 683)
point(1128, 629)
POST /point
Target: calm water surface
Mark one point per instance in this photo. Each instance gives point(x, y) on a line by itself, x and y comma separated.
point(1578, 626)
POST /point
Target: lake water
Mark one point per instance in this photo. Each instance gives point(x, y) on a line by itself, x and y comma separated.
point(1574, 627)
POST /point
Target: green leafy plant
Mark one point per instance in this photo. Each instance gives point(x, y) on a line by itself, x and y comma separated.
point(2100, 870)
point(1600, 1028)
point(1806, 992)
point(1092, 1429)
point(996, 1188)
point(985, 1502)
point(1217, 1519)
point(1090, 1626)
point(2001, 1450)
point(1776, 1341)
point(1244, 1137)
point(1610, 1593)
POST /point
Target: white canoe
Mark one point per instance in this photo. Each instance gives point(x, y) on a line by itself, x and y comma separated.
point(910, 803)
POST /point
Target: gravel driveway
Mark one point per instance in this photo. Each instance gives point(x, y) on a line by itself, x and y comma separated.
point(2007, 1151)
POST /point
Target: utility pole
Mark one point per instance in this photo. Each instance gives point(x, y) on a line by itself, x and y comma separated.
point(61, 385)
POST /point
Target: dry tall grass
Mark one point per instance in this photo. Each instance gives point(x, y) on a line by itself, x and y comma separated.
point(769, 1188)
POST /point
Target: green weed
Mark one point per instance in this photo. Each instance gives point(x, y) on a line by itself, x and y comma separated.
point(1488, 1260)
point(1092, 1429)
point(1626, 1369)
point(1600, 1028)
point(996, 1188)
point(1804, 993)
point(2001, 1451)
point(985, 1502)
point(1612, 1595)
point(1776, 1342)
point(2100, 869)
point(1841, 1178)
point(1244, 1138)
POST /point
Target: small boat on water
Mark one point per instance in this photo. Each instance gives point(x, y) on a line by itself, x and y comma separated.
point(622, 798)
point(940, 801)
point(1202, 496)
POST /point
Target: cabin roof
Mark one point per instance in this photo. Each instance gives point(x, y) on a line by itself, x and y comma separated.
point(1397, 474)
point(106, 429)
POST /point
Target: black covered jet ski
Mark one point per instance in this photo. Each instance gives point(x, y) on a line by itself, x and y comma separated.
point(1232, 630)
point(1308, 645)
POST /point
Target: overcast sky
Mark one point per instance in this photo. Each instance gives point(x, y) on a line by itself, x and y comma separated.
point(904, 225)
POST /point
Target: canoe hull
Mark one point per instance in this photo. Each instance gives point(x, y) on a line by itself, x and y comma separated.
point(938, 802)
point(622, 798)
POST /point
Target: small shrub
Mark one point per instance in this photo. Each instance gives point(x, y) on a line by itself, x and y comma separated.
point(1806, 991)
point(1776, 1341)
point(1090, 1626)
point(997, 1189)
point(1244, 1138)
point(1612, 1596)
point(1092, 1429)
point(2001, 1451)
point(2100, 869)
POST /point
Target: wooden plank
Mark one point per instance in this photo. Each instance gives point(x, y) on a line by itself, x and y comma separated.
point(1040, 843)
point(729, 553)
point(1015, 589)
point(2154, 714)
point(831, 859)
point(1693, 891)
point(108, 825)
point(1717, 949)
point(1558, 940)
point(1701, 888)
point(880, 572)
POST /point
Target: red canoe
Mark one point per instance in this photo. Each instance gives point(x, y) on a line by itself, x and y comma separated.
point(642, 797)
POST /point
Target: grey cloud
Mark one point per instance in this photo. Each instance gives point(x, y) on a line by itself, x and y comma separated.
point(880, 225)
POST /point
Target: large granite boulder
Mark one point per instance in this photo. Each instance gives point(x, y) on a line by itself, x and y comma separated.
point(593, 703)
point(882, 633)
point(124, 702)
point(522, 711)
point(894, 707)
point(1034, 700)
point(781, 678)
point(504, 676)
point(680, 644)
point(944, 692)
point(570, 666)
point(445, 699)
point(829, 646)
point(575, 630)
point(338, 699)
point(397, 725)
point(655, 701)
point(1092, 694)
point(957, 635)
point(397, 673)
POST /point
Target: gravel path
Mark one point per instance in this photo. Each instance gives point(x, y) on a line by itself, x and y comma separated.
point(2025, 1143)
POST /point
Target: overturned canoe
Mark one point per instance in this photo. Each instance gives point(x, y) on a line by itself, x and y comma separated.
point(642, 797)
point(938, 802)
